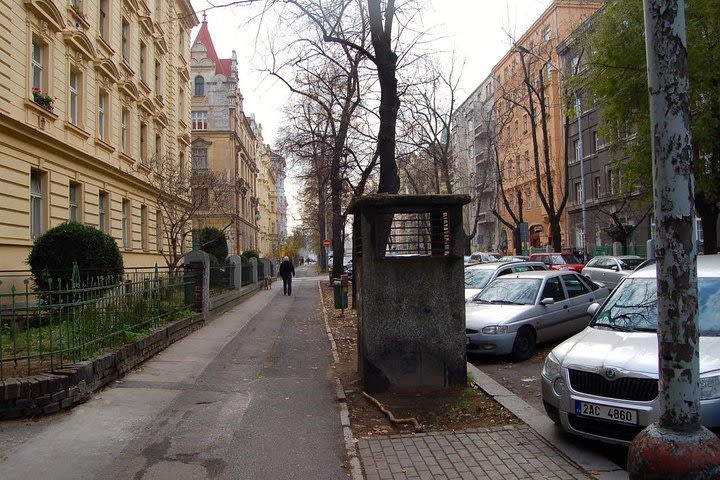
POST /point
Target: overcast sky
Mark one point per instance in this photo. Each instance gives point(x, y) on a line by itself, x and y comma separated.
point(477, 30)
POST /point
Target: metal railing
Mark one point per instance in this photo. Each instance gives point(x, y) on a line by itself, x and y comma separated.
point(222, 278)
point(74, 320)
point(247, 274)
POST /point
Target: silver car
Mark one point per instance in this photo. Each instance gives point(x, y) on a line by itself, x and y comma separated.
point(609, 270)
point(515, 312)
point(603, 382)
point(480, 274)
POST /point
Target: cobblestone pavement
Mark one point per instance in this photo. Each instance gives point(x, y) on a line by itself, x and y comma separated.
point(509, 452)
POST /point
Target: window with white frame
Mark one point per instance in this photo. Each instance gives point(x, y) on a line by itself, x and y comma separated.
point(594, 142)
point(609, 181)
point(144, 226)
point(579, 236)
point(38, 199)
point(125, 41)
point(74, 202)
point(199, 120)
point(578, 193)
point(103, 115)
point(546, 34)
point(39, 52)
point(576, 147)
point(104, 212)
point(104, 19)
point(126, 230)
point(74, 100)
point(124, 118)
point(199, 158)
point(597, 188)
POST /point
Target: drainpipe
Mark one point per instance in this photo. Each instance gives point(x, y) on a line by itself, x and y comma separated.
point(677, 446)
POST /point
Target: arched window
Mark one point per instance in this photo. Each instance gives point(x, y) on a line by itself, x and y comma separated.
point(199, 86)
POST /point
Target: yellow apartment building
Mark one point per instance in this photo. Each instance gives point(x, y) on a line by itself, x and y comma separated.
point(90, 92)
point(535, 52)
point(268, 194)
point(224, 142)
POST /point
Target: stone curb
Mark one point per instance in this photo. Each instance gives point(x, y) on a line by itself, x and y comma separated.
point(592, 463)
point(356, 471)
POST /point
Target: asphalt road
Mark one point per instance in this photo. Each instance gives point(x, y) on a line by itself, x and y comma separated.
point(249, 396)
point(523, 379)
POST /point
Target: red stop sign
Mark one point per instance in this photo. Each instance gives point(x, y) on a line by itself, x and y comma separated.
point(326, 242)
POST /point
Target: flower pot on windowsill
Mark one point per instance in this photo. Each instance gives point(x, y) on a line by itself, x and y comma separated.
point(45, 101)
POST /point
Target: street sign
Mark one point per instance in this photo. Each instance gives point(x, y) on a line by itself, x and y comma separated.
point(326, 242)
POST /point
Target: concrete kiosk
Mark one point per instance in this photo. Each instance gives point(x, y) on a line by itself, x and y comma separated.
point(408, 273)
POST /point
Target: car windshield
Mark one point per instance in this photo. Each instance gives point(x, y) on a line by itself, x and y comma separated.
point(514, 291)
point(477, 278)
point(633, 307)
point(631, 263)
point(563, 259)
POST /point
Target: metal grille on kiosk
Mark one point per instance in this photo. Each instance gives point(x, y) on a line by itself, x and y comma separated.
point(423, 233)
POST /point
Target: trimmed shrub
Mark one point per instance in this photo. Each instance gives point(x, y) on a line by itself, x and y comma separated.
point(54, 253)
point(212, 241)
point(248, 254)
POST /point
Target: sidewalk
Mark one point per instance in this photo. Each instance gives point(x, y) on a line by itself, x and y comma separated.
point(535, 449)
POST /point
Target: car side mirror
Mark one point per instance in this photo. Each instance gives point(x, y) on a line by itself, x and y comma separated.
point(593, 308)
point(547, 301)
point(614, 268)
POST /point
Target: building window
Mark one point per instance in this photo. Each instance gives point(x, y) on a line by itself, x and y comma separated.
point(576, 147)
point(199, 120)
point(144, 226)
point(158, 231)
point(103, 115)
point(593, 142)
point(143, 62)
point(157, 77)
point(517, 129)
point(37, 203)
point(104, 19)
point(74, 101)
point(546, 34)
point(519, 167)
point(126, 230)
point(103, 212)
point(596, 187)
point(528, 199)
point(125, 41)
point(158, 147)
point(578, 193)
point(199, 86)
point(609, 181)
point(74, 202)
point(527, 161)
point(181, 100)
point(37, 64)
point(124, 116)
point(143, 143)
point(201, 198)
point(199, 158)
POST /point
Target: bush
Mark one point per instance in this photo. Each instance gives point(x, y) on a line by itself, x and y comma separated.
point(248, 254)
point(54, 253)
point(212, 241)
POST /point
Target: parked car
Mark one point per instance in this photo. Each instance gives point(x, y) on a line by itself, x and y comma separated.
point(558, 261)
point(603, 382)
point(515, 312)
point(610, 270)
point(514, 258)
point(479, 275)
point(485, 257)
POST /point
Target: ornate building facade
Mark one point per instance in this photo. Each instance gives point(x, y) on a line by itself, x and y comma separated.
point(224, 141)
point(90, 93)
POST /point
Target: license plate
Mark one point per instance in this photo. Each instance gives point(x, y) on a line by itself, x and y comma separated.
point(606, 412)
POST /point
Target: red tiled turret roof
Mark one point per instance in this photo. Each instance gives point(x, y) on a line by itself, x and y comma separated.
point(222, 65)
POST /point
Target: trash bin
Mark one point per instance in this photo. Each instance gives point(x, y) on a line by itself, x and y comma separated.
point(340, 294)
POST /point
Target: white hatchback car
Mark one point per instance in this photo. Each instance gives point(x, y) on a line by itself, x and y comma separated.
point(480, 274)
point(603, 382)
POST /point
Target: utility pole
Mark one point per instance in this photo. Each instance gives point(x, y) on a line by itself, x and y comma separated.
point(678, 446)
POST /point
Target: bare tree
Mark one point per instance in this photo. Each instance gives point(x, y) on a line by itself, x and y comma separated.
point(185, 198)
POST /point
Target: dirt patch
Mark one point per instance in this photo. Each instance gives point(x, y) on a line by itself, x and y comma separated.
point(443, 410)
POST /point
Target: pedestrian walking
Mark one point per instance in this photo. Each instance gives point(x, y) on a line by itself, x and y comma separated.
point(286, 271)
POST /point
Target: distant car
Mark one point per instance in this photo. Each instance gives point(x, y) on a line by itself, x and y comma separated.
point(603, 382)
point(479, 275)
point(515, 312)
point(610, 270)
point(514, 258)
point(481, 257)
point(558, 261)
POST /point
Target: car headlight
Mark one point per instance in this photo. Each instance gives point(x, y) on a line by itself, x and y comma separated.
point(710, 385)
point(495, 329)
point(551, 367)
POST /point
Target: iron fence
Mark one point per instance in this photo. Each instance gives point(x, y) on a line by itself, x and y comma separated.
point(74, 320)
point(222, 278)
point(247, 274)
point(261, 270)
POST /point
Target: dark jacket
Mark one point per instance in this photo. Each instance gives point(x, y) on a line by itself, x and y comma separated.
point(286, 269)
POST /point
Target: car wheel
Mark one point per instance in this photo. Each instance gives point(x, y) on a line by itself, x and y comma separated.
point(524, 345)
